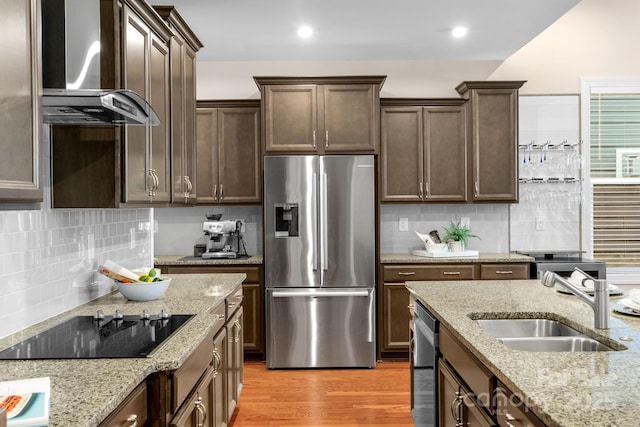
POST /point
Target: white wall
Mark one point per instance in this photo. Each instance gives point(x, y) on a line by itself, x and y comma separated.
point(596, 38)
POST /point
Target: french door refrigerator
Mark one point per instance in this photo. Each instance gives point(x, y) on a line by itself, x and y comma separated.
point(319, 255)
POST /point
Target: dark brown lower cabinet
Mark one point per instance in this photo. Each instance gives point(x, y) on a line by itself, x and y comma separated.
point(456, 405)
point(132, 410)
point(199, 408)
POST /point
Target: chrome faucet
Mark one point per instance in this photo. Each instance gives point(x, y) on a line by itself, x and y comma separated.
point(599, 302)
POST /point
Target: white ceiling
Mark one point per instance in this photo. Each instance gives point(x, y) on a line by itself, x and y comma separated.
point(363, 30)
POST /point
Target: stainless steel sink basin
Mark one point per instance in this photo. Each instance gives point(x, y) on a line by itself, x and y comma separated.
point(515, 328)
point(540, 335)
point(571, 344)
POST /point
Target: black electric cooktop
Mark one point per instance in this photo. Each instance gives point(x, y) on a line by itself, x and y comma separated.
point(85, 337)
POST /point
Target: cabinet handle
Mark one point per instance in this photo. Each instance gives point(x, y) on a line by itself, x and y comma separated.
point(150, 185)
point(202, 412)
point(426, 189)
point(221, 192)
point(326, 139)
point(406, 273)
point(218, 360)
point(456, 409)
point(476, 187)
point(314, 138)
point(451, 273)
point(420, 190)
point(215, 191)
point(133, 419)
point(504, 272)
point(508, 417)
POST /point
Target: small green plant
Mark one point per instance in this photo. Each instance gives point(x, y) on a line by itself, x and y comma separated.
point(458, 233)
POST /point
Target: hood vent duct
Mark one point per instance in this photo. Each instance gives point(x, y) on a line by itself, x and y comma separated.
point(71, 71)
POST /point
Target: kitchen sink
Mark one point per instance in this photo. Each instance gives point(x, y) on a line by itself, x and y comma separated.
point(540, 335)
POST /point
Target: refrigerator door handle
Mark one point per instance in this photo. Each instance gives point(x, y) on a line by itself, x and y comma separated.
point(323, 225)
point(318, 293)
point(314, 214)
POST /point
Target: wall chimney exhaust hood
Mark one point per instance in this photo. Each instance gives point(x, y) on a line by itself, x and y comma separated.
point(71, 71)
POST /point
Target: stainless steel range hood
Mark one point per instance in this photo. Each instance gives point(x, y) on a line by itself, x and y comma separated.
point(71, 71)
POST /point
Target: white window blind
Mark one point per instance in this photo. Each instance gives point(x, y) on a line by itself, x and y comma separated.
point(615, 173)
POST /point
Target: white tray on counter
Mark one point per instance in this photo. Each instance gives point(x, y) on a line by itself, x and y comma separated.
point(462, 254)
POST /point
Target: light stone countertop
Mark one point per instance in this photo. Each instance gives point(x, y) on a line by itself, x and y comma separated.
point(485, 257)
point(84, 392)
point(191, 260)
point(568, 389)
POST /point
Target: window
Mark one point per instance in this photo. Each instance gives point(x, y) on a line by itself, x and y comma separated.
point(612, 140)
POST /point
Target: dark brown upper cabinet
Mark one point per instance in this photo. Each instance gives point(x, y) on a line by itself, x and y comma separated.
point(492, 130)
point(423, 150)
point(114, 166)
point(184, 46)
point(20, 111)
point(320, 114)
point(229, 168)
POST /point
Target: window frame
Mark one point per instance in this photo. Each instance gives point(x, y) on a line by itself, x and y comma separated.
point(588, 86)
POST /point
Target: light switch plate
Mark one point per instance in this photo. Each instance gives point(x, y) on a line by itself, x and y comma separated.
point(540, 225)
point(403, 225)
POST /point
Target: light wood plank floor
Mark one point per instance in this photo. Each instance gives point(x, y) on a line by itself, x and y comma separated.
point(325, 397)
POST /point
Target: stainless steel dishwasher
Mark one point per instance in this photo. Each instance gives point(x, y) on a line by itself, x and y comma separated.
point(424, 368)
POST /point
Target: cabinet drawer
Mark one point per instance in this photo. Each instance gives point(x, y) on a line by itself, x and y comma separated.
point(510, 411)
point(187, 375)
point(198, 408)
point(403, 273)
point(234, 301)
point(472, 372)
point(131, 411)
point(504, 271)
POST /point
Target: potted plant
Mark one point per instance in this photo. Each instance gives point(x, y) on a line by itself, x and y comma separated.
point(457, 235)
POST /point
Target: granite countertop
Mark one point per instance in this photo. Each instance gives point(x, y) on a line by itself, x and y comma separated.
point(572, 389)
point(84, 392)
point(487, 257)
point(191, 260)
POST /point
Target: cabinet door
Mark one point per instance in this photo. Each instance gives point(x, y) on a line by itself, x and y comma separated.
point(350, 115)
point(178, 183)
point(198, 409)
point(219, 412)
point(239, 159)
point(139, 182)
point(495, 144)
point(235, 360)
point(253, 304)
point(20, 122)
point(207, 155)
point(147, 154)
point(401, 154)
point(190, 123)
point(450, 411)
point(396, 316)
point(445, 154)
point(290, 118)
point(160, 142)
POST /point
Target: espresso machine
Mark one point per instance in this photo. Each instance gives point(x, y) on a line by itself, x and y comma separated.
point(224, 238)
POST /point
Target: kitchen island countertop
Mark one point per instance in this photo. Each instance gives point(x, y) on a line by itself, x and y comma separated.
point(84, 392)
point(483, 257)
point(568, 389)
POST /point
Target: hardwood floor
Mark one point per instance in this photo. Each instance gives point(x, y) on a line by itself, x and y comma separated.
point(325, 397)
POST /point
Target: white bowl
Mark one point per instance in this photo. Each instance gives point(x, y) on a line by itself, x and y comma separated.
point(634, 295)
point(143, 291)
point(435, 247)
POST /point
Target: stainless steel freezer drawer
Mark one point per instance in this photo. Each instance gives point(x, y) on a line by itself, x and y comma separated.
point(320, 328)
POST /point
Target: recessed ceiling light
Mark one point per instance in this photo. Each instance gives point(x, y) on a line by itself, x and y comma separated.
point(459, 32)
point(305, 32)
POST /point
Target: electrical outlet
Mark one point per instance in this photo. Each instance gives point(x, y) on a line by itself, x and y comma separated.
point(403, 225)
point(465, 221)
point(540, 225)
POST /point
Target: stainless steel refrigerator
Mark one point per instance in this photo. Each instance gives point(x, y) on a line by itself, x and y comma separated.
point(319, 255)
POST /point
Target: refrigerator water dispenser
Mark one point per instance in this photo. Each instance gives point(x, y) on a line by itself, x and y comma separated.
point(286, 220)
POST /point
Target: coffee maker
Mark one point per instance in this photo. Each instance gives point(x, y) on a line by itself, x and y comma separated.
point(224, 238)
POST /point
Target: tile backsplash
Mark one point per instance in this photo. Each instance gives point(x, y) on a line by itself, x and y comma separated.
point(48, 257)
point(178, 229)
